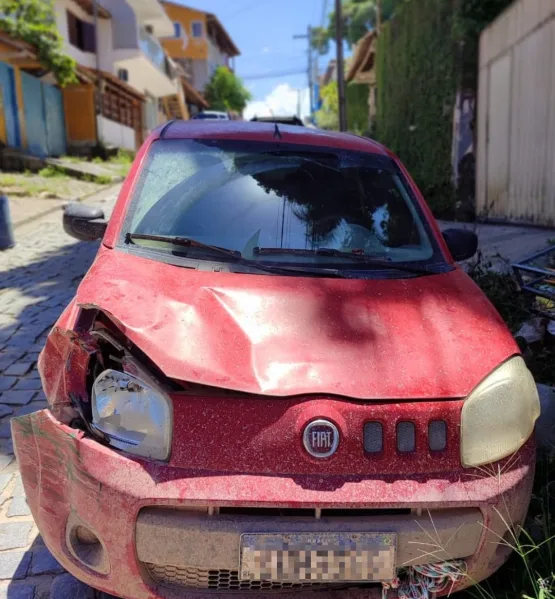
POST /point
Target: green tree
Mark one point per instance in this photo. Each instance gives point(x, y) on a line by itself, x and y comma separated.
point(359, 17)
point(226, 91)
point(357, 107)
point(33, 21)
point(327, 117)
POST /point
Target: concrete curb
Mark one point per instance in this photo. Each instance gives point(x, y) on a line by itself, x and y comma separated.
point(53, 209)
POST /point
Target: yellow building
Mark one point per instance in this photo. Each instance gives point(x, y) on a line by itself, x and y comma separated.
point(200, 43)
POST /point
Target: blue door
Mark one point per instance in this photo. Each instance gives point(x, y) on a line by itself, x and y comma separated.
point(35, 115)
point(55, 121)
point(9, 105)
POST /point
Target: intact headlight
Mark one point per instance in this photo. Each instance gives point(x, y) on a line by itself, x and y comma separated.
point(135, 416)
point(498, 417)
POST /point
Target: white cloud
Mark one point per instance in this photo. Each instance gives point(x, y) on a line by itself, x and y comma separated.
point(281, 101)
point(265, 50)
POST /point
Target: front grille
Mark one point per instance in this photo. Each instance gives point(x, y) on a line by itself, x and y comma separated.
point(228, 580)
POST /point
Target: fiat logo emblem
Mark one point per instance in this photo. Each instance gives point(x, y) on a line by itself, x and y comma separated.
point(321, 438)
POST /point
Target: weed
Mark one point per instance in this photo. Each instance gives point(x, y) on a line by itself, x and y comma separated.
point(7, 181)
point(529, 572)
point(97, 160)
point(103, 179)
point(502, 290)
point(52, 171)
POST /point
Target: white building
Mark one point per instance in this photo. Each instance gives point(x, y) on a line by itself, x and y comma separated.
point(117, 39)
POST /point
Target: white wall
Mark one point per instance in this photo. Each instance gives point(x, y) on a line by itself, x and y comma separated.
point(114, 134)
point(87, 59)
point(216, 57)
point(200, 74)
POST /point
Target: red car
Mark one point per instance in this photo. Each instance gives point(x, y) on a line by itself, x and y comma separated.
point(275, 377)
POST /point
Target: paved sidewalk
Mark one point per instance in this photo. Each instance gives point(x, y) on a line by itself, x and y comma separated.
point(505, 244)
point(38, 278)
point(24, 209)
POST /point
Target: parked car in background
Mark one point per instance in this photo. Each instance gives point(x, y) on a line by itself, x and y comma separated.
point(211, 115)
point(275, 376)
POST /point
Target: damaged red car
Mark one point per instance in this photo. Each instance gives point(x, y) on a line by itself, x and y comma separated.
point(275, 377)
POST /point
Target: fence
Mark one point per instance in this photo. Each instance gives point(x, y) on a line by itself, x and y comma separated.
point(516, 115)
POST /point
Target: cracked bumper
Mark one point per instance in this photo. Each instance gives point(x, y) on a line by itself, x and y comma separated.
point(69, 478)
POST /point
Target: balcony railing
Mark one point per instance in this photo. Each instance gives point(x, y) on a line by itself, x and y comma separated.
point(154, 51)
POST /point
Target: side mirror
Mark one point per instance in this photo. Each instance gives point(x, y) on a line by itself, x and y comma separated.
point(461, 243)
point(85, 223)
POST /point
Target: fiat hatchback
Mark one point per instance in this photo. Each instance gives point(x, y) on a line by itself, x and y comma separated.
point(275, 378)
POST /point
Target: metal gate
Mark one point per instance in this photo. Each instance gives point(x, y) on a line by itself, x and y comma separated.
point(44, 117)
point(9, 131)
point(35, 116)
point(55, 122)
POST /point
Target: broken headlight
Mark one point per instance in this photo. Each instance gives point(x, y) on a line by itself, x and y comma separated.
point(498, 417)
point(134, 415)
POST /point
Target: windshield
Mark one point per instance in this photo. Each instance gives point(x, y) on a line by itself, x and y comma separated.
point(279, 203)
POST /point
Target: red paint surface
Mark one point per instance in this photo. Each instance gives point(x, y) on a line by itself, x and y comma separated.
point(264, 436)
point(423, 338)
point(63, 471)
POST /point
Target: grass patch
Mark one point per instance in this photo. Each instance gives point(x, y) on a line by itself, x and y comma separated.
point(123, 157)
point(529, 571)
point(7, 180)
point(52, 172)
point(72, 159)
point(119, 164)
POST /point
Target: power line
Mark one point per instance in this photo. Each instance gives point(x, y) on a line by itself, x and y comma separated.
point(308, 37)
point(324, 12)
point(272, 74)
point(242, 10)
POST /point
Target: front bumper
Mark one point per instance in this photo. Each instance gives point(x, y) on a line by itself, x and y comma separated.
point(159, 527)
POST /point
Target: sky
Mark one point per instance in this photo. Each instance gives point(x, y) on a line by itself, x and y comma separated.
point(263, 31)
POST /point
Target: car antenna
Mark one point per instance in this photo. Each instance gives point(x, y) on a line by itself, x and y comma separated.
point(277, 132)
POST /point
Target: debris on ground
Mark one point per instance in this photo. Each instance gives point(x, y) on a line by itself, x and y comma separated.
point(533, 331)
point(536, 274)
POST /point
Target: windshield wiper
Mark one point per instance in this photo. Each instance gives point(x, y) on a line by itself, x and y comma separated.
point(236, 256)
point(368, 260)
point(182, 241)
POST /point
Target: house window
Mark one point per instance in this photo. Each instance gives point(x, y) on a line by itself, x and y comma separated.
point(196, 29)
point(177, 29)
point(123, 74)
point(81, 34)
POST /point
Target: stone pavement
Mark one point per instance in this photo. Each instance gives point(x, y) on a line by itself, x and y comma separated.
point(37, 279)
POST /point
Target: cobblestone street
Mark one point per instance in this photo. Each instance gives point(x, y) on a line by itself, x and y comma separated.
point(37, 279)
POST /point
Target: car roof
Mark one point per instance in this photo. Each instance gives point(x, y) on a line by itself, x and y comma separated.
point(257, 131)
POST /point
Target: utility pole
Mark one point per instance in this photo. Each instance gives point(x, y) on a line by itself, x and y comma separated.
point(340, 67)
point(308, 36)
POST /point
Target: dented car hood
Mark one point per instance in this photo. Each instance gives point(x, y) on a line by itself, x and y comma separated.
point(427, 337)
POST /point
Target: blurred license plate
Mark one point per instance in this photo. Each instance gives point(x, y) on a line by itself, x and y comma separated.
point(318, 557)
